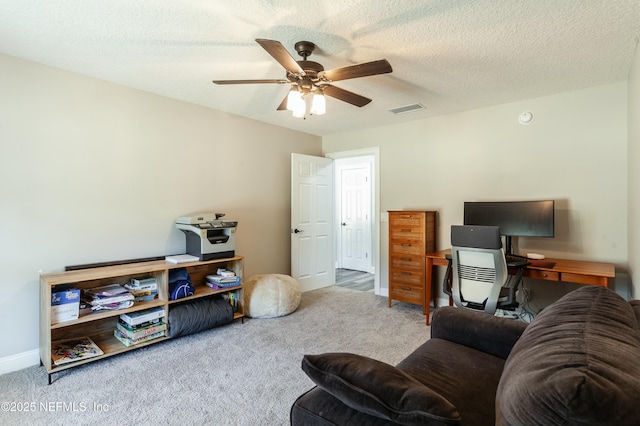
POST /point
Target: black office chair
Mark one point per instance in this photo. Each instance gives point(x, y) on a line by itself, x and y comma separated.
point(478, 276)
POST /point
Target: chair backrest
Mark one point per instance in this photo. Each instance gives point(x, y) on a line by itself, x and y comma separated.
point(479, 267)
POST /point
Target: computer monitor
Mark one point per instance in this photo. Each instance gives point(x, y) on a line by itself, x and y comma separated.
point(515, 218)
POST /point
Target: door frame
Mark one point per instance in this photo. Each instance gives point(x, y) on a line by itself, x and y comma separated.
point(375, 194)
point(340, 165)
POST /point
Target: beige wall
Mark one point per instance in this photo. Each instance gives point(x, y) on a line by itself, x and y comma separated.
point(574, 151)
point(634, 174)
point(91, 171)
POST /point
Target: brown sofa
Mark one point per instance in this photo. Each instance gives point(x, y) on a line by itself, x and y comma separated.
point(577, 363)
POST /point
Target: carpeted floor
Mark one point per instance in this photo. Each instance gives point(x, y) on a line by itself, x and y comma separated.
point(238, 374)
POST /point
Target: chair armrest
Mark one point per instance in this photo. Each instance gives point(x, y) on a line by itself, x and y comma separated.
point(484, 332)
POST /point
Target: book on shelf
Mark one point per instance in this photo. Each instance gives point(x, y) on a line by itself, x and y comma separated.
point(222, 285)
point(112, 306)
point(182, 258)
point(134, 333)
point(109, 297)
point(145, 296)
point(136, 318)
point(72, 350)
point(143, 290)
point(142, 283)
point(130, 327)
point(131, 342)
point(107, 291)
point(223, 279)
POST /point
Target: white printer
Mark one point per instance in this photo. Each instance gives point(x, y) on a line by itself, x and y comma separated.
point(208, 236)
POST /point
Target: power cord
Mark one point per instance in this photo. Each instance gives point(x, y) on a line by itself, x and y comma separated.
point(528, 310)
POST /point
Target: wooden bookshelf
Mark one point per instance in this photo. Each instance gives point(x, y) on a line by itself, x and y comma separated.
point(99, 326)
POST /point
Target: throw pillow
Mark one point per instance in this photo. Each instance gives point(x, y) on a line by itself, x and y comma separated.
point(379, 389)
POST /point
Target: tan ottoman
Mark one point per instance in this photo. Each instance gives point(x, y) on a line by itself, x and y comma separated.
point(271, 295)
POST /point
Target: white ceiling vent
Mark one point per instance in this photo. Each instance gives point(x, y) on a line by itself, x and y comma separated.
point(407, 108)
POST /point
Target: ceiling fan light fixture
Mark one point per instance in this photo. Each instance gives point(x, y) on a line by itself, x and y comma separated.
point(318, 103)
point(294, 99)
point(300, 111)
point(300, 108)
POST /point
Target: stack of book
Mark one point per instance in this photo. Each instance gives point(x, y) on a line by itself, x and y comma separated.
point(108, 297)
point(139, 327)
point(143, 289)
point(223, 279)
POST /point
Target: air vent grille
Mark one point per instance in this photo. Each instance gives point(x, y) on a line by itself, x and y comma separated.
point(407, 108)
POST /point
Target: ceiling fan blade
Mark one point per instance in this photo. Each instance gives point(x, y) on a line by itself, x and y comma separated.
point(345, 95)
point(283, 104)
point(280, 54)
point(250, 81)
point(381, 66)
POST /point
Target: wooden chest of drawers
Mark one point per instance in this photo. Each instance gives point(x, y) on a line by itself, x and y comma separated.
point(411, 236)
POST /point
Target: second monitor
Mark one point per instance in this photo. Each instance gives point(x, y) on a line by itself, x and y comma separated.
point(515, 218)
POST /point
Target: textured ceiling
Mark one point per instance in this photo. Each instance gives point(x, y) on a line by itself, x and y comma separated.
point(447, 55)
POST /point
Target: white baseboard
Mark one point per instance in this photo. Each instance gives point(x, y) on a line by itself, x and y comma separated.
point(19, 361)
point(443, 301)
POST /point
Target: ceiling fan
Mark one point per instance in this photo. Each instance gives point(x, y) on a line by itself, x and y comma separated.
point(308, 77)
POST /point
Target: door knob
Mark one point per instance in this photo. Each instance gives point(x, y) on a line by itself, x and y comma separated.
point(344, 224)
point(296, 230)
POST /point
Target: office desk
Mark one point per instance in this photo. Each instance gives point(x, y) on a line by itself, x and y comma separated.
point(573, 271)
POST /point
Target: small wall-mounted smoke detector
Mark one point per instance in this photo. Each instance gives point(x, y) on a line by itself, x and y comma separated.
point(525, 117)
point(407, 108)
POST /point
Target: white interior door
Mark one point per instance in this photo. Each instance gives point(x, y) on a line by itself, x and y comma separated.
point(312, 223)
point(355, 216)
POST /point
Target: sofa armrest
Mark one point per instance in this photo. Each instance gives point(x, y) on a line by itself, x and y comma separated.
point(635, 305)
point(484, 332)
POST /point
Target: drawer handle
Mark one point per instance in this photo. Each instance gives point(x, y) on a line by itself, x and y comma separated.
point(405, 245)
point(406, 259)
point(406, 288)
point(405, 230)
point(405, 273)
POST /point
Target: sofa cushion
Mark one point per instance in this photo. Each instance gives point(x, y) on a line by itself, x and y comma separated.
point(464, 376)
point(379, 389)
point(577, 363)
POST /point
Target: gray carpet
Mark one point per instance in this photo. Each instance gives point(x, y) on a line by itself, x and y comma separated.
point(238, 374)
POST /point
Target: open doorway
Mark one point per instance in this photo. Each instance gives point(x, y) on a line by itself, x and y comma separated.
point(357, 223)
point(355, 280)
